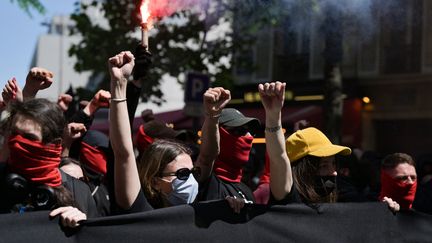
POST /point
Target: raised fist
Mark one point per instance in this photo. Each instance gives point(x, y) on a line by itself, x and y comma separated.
point(39, 78)
point(272, 96)
point(63, 101)
point(120, 66)
point(101, 99)
point(11, 91)
point(215, 99)
point(73, 131)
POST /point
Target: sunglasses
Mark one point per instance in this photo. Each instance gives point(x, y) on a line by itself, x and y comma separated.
point(238, 131)
point(183, 173)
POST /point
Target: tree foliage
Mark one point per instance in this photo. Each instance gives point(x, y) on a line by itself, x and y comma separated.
point(28, 5)
point(179, 44)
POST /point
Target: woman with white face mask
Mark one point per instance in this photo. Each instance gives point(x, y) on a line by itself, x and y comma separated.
point(165, 175)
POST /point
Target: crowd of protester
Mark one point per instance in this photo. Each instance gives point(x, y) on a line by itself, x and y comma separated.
point(53, 160)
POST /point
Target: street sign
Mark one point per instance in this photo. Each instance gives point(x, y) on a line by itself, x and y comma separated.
point(196, 85)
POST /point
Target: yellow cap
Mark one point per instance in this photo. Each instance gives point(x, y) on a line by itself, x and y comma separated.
point(311, 141)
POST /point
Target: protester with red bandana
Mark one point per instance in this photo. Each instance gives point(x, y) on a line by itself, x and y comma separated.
point(398, 180)
point(235, 145)
point(35, 129)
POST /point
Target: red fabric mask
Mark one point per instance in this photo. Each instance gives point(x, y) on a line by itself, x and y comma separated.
point(93, 158)
point(142, 139)
point(35, 161)
point(402, 193)
point(234, 154)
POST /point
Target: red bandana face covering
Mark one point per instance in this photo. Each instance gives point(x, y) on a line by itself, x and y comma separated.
point(234, 154)
point(142, 139)
point(402, 193)
point(35, 161)
point(93, 158)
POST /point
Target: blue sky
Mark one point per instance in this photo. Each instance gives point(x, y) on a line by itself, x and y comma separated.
point(19, 34)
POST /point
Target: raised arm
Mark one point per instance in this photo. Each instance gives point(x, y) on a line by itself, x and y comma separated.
point(12, 91)
point(215, 100)
point(126, 179)
point(71, 132)
point(37, 79)
point(99, 100)
point(281, 179)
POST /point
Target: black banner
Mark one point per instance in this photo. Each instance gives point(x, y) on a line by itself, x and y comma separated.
point(215, 222)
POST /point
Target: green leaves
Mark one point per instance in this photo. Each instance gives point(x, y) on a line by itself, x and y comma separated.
point(179, 44)
point(28, 5)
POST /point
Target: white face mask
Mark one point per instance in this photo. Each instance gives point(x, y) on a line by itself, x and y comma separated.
point(184, 191)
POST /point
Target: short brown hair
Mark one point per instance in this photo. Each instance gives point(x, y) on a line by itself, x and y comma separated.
point(393, 160)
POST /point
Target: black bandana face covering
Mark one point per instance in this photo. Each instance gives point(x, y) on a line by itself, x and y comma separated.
point(324, 185)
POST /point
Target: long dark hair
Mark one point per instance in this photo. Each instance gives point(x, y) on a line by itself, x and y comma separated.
point(152, 164)
point(305, 171)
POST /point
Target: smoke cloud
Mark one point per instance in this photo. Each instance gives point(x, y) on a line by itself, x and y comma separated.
point(164, 8)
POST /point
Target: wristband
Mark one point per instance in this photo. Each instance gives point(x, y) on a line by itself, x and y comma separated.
point(118, 99)
point(273, 129)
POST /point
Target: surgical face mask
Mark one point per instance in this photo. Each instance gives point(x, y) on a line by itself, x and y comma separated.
point(184, 191)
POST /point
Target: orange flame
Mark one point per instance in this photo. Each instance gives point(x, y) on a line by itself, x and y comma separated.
point(145, 14)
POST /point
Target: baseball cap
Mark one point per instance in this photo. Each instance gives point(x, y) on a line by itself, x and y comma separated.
point(158, 129)
point(231, 117)
point(311, 141)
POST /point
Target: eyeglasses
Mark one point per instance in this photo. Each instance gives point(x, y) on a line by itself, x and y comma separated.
point(183, 173)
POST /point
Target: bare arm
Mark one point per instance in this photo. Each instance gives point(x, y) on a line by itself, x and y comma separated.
point(37, 79)
point(215, 100)
point(11, 91)
point(126, 179)
point(281, 179)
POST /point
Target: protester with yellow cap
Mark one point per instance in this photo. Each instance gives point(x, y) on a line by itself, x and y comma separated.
point(302, 168)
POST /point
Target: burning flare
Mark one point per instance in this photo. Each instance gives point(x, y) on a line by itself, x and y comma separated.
point(145, 22)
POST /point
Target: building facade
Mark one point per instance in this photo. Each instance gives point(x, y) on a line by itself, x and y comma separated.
point(386, 69)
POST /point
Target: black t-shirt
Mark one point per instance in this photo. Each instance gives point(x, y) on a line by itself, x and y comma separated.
point(292, 197)
point(100, 194)
point(140, 205)
point(216, 189)
point(82, 195)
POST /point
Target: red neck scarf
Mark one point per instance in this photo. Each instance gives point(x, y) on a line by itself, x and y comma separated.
point(402, 193)
point(35, 161)
point(93, 158)
point(234, 154)
point(142, 139)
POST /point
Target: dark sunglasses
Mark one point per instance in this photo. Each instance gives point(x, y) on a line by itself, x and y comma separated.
point(238, 131)
point(183, 173)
